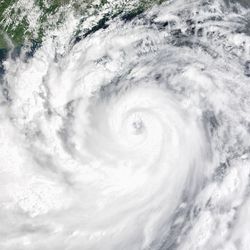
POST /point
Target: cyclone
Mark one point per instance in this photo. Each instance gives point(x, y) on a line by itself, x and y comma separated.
point(135, 136)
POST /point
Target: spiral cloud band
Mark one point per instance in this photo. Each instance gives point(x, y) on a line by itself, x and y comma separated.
point(135, 137)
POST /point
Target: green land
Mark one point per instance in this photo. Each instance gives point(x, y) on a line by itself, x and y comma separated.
point(17, 31)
